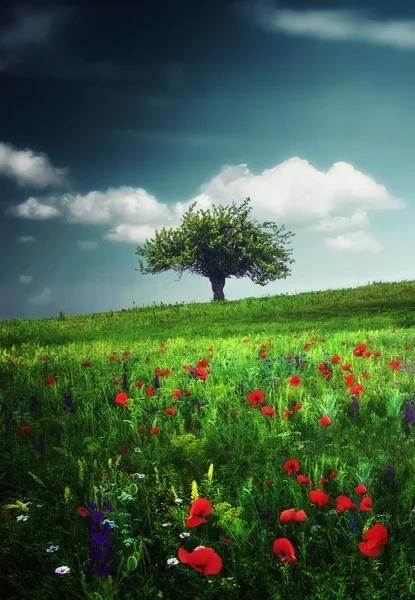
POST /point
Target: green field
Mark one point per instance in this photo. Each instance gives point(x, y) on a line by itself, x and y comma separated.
point(96, 476)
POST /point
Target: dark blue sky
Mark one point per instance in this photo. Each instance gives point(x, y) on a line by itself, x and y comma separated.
point(114, 120)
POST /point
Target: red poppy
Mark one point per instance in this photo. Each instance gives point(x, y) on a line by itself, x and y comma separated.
point(302, 479)
point(256, 397)
point(292, 515)
point(366, 504)
point(319, 498)
point(376, 537)
point(283, 548)
point(121, 399)
point(291, 466)
point(204, 560)
point(84, 512)
point(344, 502)
point(123, 450)
point(25, 430)
point(268, 411)
point(200, 508)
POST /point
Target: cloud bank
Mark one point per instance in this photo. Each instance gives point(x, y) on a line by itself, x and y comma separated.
point(294, 193)
point(334, 25)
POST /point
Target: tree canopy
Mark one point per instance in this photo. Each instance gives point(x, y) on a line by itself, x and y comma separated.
point(219, 246)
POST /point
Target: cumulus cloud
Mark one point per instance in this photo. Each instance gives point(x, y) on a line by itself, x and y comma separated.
point(293, 193)
point(28, 168)
point(357, 242)
point(25, 278)
point(33, 209)
point(43, 298)
point(333, 25)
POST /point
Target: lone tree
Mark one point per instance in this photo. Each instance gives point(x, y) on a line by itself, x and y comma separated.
point(219, 246)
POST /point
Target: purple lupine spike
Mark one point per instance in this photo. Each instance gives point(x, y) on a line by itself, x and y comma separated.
point(390, 478)
point(355, 408)
point(124, 381)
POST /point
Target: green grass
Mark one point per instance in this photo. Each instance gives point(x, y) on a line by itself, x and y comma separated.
point(70, 457)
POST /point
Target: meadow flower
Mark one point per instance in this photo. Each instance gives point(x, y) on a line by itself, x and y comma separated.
point(22, 518)
point(97, 516)
point(52, 549)
point(376, 537)
point(204, 560)
point(62, 570)
point(284, 549)
point(171, 562)
point(178, 501)
point(139, 475)
point(199, 509)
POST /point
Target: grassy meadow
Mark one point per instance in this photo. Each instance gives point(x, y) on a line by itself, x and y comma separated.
point(255, 449)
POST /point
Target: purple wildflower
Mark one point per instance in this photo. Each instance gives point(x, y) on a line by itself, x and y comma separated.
point(68, 403)
point(355, 408)
point(409, 414)
point(390, 478)
point(98, 516)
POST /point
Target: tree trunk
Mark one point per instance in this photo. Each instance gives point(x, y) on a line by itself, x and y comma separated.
point(218, 283)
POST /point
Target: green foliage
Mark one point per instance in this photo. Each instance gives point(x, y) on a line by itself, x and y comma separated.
point(218, 246)
point(39, 498)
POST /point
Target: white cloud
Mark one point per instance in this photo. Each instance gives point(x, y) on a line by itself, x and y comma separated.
point(33, 209)
point(356, 242)
point(28, 168)
point(293, 193)
point(334, 25)
point(25, 278)
point(25, 239)
point(42, 298)
point(87, 245)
